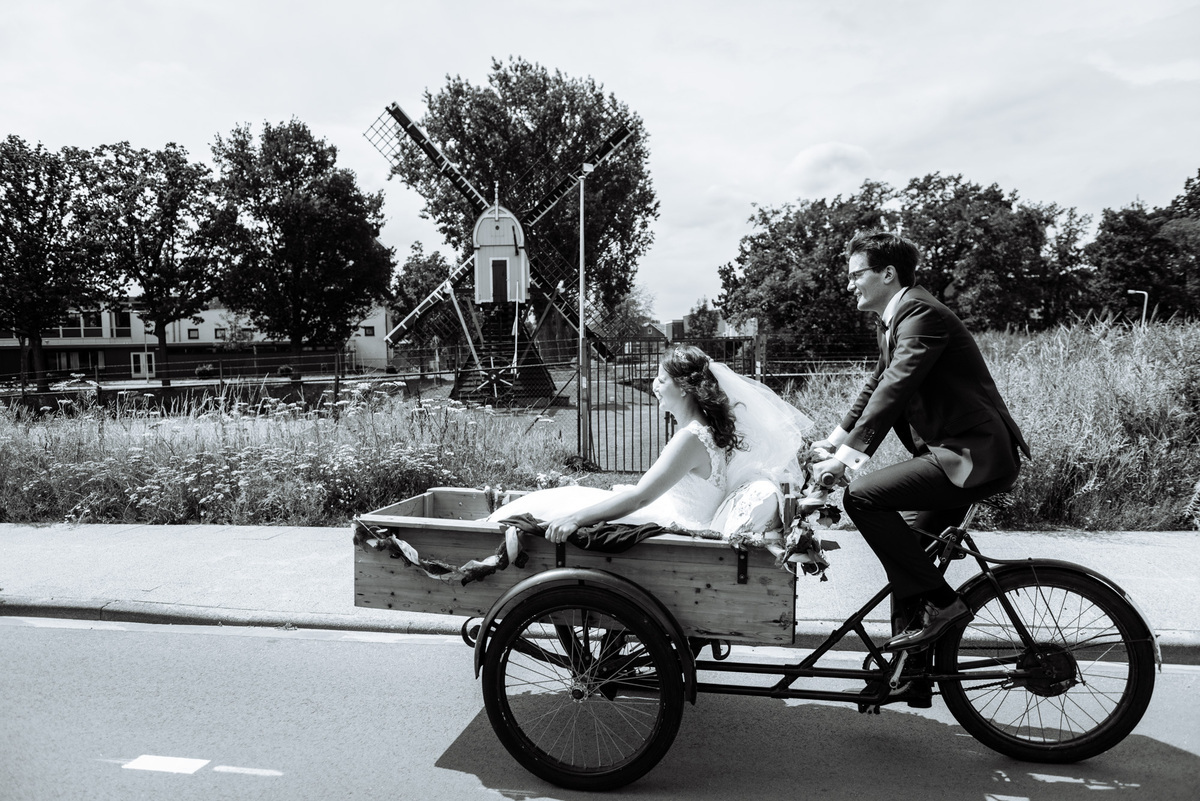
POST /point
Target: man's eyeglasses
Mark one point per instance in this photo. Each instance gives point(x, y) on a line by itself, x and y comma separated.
point(854, 274)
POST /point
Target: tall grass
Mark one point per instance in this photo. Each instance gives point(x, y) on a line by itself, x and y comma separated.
point(273, 463)
point(1112, 414)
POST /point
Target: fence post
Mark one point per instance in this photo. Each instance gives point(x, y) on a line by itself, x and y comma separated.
point(760, 356)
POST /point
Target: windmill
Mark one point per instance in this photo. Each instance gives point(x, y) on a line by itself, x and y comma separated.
point(509, 265)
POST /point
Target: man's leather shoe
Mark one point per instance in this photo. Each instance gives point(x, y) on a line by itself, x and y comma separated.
point(936, 622)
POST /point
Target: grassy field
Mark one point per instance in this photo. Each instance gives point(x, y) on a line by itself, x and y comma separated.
point(1112, 414)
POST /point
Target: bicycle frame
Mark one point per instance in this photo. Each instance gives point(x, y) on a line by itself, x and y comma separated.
point(947, 547)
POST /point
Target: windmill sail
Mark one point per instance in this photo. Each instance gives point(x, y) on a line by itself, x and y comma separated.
point(385, 136)
point(548, 269)
point(563, 187)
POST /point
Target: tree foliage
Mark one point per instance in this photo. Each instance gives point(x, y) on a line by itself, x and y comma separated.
point(155, 219)
point(1151, 250)
point(49, 264)
point(299, 237)
point(790, 273)
point(997, 261)
point(420, 274)
point(633, 313)
point(521, 133)
point(702, 320)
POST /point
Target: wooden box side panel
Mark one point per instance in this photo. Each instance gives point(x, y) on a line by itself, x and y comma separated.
point(457, 504)
point(695, 581)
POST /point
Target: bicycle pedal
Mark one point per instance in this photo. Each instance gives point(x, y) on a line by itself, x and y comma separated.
point(868, 709)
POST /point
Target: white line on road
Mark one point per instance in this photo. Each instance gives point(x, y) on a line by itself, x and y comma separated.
point(247, 771)
point(166, 764)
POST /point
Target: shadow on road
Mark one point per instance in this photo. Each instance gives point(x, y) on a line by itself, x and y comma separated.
point(731, 747)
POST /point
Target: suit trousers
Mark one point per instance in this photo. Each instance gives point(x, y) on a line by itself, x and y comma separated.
point(889, 503)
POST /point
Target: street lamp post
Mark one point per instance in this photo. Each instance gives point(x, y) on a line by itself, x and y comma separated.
point(1145, 300)
point(585, 401)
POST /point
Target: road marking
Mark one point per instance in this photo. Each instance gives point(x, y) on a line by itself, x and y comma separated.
point(166, 764)
point(247, 771)
point(1091, 784)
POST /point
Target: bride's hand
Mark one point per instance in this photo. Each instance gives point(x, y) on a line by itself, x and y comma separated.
point(559, 529)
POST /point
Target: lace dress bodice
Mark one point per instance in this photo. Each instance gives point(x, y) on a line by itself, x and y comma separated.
point(693, 501)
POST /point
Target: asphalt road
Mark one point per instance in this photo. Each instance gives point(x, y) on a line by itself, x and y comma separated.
point(118, 711)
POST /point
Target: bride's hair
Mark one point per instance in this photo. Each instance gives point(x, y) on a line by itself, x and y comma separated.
point(688, 367)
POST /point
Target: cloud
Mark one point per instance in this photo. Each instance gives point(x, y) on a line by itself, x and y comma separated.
point(828, 169)
point(1185, 71)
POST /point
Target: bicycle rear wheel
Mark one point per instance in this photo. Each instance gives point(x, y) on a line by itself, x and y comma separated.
point(1076, 692)
point(583, 688)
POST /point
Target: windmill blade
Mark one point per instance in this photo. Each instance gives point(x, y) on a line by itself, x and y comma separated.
point(572, 179)
point(385, 135)
point(549, 269)
point(439, 294)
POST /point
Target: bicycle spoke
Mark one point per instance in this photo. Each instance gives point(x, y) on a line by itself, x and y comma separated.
point(1070, 689)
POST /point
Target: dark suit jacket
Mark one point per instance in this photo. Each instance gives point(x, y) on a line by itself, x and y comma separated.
point(932, 387)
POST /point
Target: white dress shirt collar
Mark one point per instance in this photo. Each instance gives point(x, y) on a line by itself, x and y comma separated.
point(890, 310)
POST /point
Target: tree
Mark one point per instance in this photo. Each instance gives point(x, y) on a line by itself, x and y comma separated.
point(299, 237)
point(417, 277)
point(1131, 252)
point(521, 133)
point(990, 256)
point(702, 320)
point(790, 273)
point(632, 314)
point(48, 258)
point(156, 220)
point(1187, 205)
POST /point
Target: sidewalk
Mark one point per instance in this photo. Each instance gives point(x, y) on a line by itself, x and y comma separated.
point(303, 577)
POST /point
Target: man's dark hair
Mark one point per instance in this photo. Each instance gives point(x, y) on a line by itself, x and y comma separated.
point(884, 248)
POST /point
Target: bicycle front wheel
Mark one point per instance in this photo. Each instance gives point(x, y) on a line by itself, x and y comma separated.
point(583, 688)
point(1075, 691)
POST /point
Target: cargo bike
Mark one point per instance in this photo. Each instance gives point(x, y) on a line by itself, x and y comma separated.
point(587, 658)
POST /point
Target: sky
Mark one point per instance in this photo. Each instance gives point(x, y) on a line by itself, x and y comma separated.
point(1090, 104)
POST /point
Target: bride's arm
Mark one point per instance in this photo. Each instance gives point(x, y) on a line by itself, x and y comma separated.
point(682, 455)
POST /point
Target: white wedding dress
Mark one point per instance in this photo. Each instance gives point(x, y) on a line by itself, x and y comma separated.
point(689, 505)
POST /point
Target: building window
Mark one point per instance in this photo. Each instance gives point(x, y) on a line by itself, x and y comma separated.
point(193, 333)
point(368, 330)
point(122, 326)
point(142, 364)
point(71, 327)
point(92, 324)
point(247, 332)
point(219, 333)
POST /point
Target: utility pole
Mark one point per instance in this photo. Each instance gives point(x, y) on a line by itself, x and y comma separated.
point(585, 400)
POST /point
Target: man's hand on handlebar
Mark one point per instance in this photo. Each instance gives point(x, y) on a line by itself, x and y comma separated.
point(827, 472)
point(822, 449)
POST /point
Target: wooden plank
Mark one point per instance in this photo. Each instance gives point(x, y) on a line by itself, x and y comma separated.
point(409, 507)
point(695, 579)
point(458, 504)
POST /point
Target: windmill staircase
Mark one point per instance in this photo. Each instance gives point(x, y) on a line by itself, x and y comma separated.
point(498, 382)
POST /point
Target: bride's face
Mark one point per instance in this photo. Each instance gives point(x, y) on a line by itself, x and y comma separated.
point(670, 397)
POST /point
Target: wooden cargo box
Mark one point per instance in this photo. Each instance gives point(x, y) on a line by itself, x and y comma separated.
point(696, 579)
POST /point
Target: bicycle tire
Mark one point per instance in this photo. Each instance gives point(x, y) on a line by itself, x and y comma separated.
point(1084, 690)
point(583, 688)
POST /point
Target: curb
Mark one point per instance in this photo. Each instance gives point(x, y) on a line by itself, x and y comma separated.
point(184, 614)
point(1179, 646)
